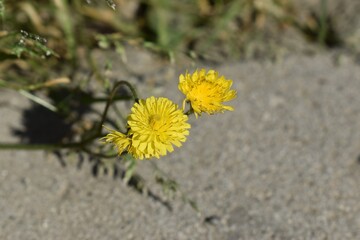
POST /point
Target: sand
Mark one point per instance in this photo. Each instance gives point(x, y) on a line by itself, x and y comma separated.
point(283, 165)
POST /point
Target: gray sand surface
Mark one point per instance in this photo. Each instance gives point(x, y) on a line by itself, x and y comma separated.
point(283, 165)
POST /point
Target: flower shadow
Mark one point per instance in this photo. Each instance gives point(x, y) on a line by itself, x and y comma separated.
point(42, 126)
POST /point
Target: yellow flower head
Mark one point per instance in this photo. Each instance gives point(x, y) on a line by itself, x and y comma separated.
point(154, 125)
point(206, 92)
point(120, 140)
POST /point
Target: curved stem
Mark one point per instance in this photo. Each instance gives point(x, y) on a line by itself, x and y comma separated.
point(111, 97)
point(80, 145)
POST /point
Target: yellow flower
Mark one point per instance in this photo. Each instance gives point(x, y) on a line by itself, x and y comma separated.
point(206, 92)
point(155, 124)
point(120, 140)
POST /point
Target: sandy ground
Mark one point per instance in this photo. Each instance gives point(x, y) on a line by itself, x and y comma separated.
point(283, 165)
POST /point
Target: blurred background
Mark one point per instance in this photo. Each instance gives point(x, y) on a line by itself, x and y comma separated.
point(39, 39)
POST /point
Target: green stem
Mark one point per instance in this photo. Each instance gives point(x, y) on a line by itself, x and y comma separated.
point(119, 123)
point(76, 145)
point(110, 100)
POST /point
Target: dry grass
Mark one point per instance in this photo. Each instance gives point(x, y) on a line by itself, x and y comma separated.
point(55, 30)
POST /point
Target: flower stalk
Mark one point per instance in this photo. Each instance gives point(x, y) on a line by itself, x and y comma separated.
point(82, 145)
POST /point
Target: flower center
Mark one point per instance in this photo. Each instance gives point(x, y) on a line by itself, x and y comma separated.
point(154, 122)
point(202, 92)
